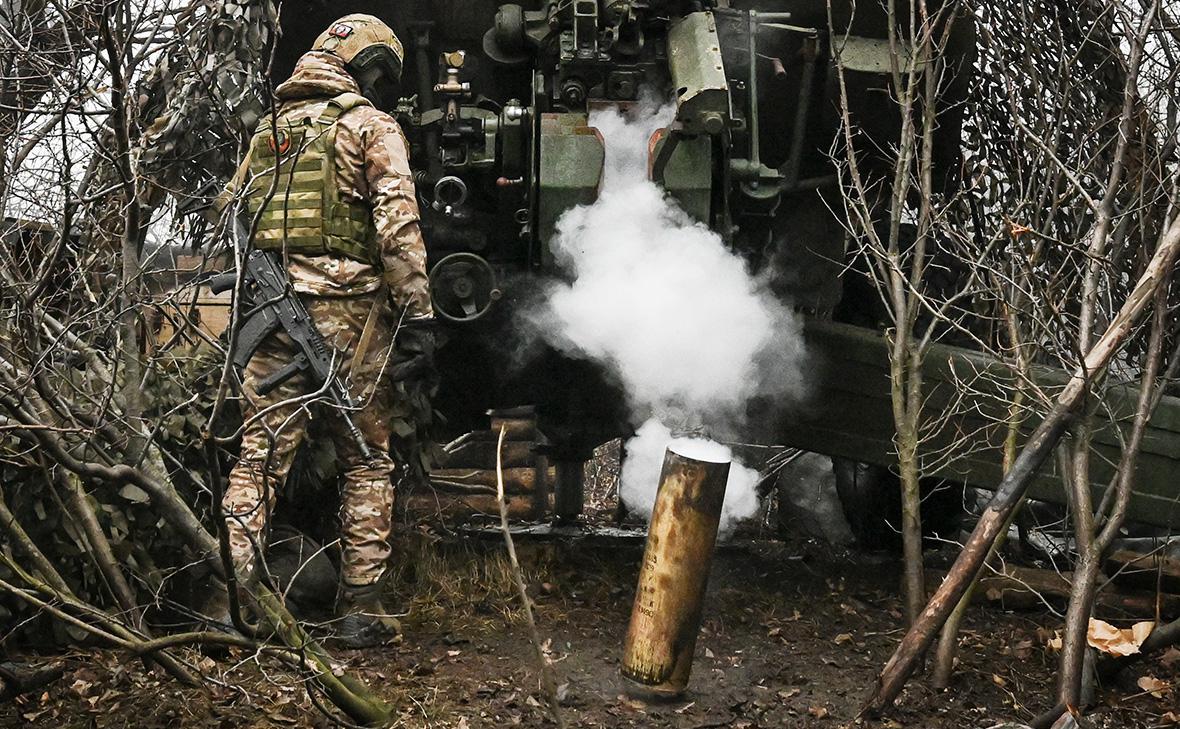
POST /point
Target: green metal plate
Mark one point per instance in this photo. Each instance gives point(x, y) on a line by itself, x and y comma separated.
point(850, 415)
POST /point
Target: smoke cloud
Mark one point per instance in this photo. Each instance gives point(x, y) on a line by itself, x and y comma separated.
point(644, 458)
point(658, 298)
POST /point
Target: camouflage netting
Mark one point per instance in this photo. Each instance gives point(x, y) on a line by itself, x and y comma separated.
point(207, 95)
point(1060, 69)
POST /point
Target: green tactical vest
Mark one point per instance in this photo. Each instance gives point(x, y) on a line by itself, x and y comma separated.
point(302, 208)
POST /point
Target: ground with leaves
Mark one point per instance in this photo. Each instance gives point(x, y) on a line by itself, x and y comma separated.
point(793, 636)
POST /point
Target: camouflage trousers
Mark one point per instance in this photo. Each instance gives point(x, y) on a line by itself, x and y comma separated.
point(277, 422)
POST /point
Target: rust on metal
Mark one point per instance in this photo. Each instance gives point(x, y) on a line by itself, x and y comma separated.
point(666, 616)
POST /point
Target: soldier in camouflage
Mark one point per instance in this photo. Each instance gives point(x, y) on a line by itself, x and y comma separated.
point(330, 185)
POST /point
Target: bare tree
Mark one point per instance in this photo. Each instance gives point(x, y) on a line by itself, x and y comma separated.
point(1071, 163)
point(897, 217)
point(114, 116)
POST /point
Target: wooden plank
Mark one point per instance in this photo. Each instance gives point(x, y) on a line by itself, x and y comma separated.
point(426, 505)
point(481, 453)
point(1124, 564)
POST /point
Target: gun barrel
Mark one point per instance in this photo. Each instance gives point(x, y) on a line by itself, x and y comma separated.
point(357, 436)
point(223, 282)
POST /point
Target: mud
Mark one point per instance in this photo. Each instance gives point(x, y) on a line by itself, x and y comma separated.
point(792, 636)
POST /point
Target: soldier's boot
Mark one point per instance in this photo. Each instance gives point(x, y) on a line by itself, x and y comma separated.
point(363, 622)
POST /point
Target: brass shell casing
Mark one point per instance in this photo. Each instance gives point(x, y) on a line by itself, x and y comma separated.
point(666, 616)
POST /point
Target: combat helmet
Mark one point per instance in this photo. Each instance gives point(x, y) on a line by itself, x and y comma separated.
point(371, 52)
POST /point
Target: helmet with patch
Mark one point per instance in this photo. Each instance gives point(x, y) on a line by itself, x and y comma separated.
point(370, 49)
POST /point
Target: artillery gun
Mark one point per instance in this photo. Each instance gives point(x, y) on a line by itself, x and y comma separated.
point(501, 142)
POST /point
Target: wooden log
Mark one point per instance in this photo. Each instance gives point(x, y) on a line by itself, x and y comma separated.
point(1142, 570)
point(454, 506)
point(515, 428)
point(516, 480)
point(520, 411)
point(542, 494)
point(1025, 587)
point(480, 452)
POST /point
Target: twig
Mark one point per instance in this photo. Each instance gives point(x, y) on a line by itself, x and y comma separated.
point(548, 681)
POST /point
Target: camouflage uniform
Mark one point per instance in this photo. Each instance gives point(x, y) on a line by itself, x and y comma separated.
point(341, 294)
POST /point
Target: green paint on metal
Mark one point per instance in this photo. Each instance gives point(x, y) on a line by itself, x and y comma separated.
point(698, 75)
point(688, 177)
point(572, 158)
point(849, 415)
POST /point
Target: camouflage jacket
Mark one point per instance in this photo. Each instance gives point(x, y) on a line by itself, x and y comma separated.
point(373, 169)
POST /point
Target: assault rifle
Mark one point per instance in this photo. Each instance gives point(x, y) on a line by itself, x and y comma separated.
point(269, 303)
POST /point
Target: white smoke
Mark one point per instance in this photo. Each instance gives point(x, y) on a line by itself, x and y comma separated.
point(658, 298)
point(644, 458)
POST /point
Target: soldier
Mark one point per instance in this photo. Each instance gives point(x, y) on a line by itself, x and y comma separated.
point(330, 184)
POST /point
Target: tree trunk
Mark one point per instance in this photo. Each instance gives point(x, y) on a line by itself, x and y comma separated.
point(1012, 488)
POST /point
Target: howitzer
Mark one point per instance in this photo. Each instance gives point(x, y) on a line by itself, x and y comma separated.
point(270, 304)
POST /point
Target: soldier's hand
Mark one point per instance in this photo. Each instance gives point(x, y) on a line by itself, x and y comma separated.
point(416, 340)
point(415, 352)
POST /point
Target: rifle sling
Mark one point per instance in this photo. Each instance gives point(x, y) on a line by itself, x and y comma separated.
point(370, 329)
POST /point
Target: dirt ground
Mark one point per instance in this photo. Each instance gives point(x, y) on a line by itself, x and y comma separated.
point(793, 636)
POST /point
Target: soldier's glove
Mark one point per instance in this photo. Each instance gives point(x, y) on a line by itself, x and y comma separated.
point(416, 344)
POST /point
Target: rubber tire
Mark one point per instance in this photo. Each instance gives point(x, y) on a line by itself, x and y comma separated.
point(871, 499)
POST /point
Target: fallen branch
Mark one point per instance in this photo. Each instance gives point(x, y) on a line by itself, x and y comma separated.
point(1026, 587)
point(348, 694)
point(17, 679)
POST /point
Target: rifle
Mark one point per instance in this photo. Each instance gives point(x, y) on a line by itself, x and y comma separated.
point(270, 304)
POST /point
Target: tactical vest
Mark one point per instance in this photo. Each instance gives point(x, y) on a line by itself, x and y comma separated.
point(302, 208)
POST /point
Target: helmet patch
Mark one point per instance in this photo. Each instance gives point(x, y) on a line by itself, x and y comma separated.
point(280, 143)
point(340, 30)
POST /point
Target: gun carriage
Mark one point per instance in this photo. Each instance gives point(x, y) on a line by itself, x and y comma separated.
point(497, 113)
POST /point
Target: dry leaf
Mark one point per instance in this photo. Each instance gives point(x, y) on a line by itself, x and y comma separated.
point(1169, 718)
point(1154, 686)
point(708, 653)
point(1117, 641)
point(1170, 657)
point(819, 712)
point(1017, 230)
point(842, 638)
point(1055, 643)
point(998, 680)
